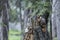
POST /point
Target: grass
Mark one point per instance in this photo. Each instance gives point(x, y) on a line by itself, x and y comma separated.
point(55, 39)
point(12, 35)
point(14, 32)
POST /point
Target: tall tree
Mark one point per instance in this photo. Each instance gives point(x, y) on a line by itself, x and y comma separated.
point(1, 36)
point(5, 18)
point(18, 4)
point(56, 11)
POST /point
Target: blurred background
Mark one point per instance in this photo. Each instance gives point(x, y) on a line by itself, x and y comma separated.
point(15, 17)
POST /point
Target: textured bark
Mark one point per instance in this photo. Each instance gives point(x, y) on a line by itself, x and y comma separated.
point(54, 26)
point(56, 11)
point(26, 18)
point(5, 19)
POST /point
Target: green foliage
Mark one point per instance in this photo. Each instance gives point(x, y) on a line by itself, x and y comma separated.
point(38, 5)
point(47, 4)
point(13, 15)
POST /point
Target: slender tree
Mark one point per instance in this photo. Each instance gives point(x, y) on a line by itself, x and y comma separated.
point(5, 19)
point(18, 4)
point(1, 36)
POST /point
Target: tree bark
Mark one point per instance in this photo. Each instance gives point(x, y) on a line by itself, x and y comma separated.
point(1, 35)
point(5, 19)
point(56, 11)
point(25, 19)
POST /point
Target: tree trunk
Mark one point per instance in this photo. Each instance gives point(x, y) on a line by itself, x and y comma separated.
point(25, 19)
point(50, 28)
point(5, 19)
point(56, 11)
point(21, 16)
point(54, 26)
point(1, 35)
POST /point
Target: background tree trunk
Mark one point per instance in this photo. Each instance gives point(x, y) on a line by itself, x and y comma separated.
point(5, 19)
point(1, 35)
point(25, 18)
point(21, 22)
